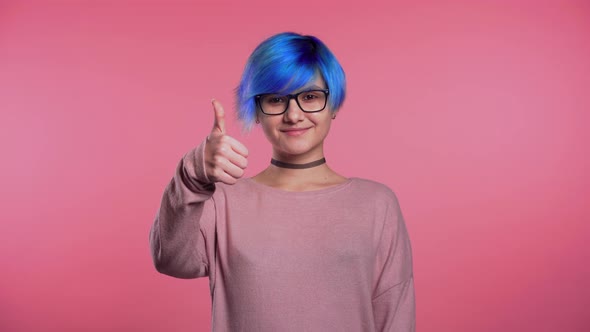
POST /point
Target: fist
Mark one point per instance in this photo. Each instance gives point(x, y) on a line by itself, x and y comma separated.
point(225, 157)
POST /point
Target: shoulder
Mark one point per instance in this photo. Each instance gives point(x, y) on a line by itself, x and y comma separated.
point(374, 189)
point(381, 201)
point(379, 196)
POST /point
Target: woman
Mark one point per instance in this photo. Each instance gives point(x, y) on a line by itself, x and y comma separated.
point(298, 247)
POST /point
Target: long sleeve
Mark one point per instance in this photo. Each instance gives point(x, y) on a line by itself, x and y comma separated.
point(182, 234)
point(394, 306)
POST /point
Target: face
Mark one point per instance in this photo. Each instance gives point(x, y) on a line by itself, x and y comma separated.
point(298, 145)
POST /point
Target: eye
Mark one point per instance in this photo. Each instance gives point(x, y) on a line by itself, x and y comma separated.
point(274, 99)
point(311, 96)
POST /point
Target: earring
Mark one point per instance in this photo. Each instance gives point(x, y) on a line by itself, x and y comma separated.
point(257, 121)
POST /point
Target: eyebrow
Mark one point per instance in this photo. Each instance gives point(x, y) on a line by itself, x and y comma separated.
point(311, 87)
point(306, 88)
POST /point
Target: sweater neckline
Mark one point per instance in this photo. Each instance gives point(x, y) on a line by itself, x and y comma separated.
point(269, 189)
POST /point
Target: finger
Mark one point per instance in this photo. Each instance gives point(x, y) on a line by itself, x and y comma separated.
point(238, 160)
point(226, 178)
point(219, 123)
point(237, 146)
point(221, 175)
point(232, 170)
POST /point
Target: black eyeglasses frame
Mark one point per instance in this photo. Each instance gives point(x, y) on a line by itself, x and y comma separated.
point(292, 96)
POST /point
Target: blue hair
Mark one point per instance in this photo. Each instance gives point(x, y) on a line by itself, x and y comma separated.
point(283, 64)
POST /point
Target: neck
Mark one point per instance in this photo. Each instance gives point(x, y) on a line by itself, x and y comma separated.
point(298, 179)
point(283, 164)
point(297, 174)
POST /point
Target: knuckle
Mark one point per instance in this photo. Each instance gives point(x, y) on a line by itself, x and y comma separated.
point(216, 173)
point(222, 149)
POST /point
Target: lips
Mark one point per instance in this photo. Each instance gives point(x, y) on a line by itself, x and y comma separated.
point(295, 131)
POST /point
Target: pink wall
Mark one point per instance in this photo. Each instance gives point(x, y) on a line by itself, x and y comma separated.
point(475, 114)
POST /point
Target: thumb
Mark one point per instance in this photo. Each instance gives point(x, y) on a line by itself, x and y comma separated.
point(219, 123)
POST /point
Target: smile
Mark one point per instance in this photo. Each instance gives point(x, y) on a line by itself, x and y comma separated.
point(295, 132)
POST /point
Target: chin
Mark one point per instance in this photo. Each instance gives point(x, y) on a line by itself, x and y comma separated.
point(298, 150)
point(293, 152)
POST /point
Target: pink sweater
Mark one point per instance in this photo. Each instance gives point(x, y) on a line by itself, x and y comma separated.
point(334, 259)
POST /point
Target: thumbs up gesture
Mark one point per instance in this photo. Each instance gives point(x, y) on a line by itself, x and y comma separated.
point(225, 157)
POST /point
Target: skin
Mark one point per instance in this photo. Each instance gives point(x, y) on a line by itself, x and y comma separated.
point(226, 157)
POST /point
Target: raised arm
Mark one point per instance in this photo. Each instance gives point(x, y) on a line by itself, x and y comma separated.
point(182, 235)
point(185, 221)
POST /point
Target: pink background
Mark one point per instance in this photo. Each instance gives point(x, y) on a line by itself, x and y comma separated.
point(475, 113)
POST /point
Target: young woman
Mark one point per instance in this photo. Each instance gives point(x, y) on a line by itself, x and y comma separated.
point(298, 247)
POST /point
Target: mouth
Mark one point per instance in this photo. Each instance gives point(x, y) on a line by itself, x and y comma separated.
point(295, 131)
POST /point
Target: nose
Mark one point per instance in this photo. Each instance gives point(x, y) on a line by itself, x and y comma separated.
point(293, 113)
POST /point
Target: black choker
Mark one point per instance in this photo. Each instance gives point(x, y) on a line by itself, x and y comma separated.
point(297, 166)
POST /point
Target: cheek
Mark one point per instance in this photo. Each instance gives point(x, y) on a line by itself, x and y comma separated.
point(269, 129)
point(323, 123)
point(267, 132)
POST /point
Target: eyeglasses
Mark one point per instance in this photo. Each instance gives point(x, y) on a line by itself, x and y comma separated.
point(309, 101)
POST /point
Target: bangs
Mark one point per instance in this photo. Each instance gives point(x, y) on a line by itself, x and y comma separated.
point(283, 77)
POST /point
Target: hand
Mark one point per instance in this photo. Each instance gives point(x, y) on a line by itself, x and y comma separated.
point(225, 157)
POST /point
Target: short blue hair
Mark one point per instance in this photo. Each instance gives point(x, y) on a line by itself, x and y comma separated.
point(283, 64)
